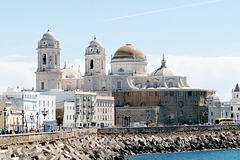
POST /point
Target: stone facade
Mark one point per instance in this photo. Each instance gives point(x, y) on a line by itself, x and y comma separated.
point(176, 106)
point(49, 75)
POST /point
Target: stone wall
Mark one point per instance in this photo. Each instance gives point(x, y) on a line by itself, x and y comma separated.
point(110, 144)
point(33, 138)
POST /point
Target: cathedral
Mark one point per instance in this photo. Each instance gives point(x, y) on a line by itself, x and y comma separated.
point(128, 70)
point(128, 76)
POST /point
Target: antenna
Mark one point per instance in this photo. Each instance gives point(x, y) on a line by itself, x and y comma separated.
point(49, 26)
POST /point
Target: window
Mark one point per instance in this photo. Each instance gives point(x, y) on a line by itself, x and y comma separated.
point(55, 59)
point(170, 84)
point(119, 85)
point(50, 60)
point(211, 113)
point(67, 117)
point(180, 93)
point(91, 64)
point(121, 70)
point(238, 108)
point(226, 113)
point(42, 85)
point(171, 93)
point(189, 93)
point(155, 84)
point(118, 102)
point(44, 59)
point(231, 108)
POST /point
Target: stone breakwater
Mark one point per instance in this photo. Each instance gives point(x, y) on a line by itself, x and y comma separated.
point(116, 146)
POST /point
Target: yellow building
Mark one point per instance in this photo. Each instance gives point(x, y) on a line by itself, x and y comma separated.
point(9, 116)
point(14, 119)
point(3, 107)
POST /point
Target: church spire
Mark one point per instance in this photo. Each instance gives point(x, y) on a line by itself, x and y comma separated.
point(237, 88)
point(163, 62)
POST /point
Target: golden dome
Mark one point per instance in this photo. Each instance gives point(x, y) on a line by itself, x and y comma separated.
point(129, 51)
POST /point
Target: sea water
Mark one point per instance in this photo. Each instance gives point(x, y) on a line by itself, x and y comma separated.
point(232, 154)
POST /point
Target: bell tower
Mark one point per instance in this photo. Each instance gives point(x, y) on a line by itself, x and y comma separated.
point(95, 59)
point(48, 74)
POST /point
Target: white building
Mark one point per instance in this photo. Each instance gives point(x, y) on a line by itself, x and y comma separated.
point(69, 114)
point(217, 108)
point(235, 104)
point(33, 105)
point(105, 111)
point(46, 107)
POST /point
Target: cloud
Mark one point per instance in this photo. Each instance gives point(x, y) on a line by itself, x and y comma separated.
point(15, 74)
point(165, 10)
point(16, 56)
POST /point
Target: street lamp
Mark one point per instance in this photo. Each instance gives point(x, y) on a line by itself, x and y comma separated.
point(237, 117)
point(5, 113)
point(44, 113)
point(129, 117)
point(37, 120)
point(122, 120)
point(22, 118)
point(31, 117)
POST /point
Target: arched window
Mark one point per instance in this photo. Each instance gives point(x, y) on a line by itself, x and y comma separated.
point(121, 70)
point(91, 64)
point(55, 59)
point(44, 59)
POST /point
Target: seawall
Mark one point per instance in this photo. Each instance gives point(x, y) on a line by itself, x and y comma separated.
point(114, 143)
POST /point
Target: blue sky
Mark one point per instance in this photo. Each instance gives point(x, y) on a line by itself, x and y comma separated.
point(200, 38)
